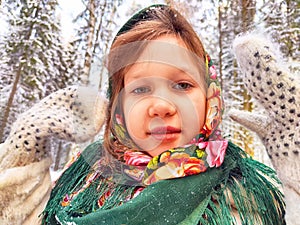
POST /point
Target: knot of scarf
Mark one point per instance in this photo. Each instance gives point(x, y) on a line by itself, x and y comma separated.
point(191, 159)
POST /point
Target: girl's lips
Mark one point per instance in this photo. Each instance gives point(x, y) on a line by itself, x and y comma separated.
point(168, 133)
point(165, 130)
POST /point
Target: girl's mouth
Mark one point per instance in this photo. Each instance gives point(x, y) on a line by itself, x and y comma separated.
point(167, 133)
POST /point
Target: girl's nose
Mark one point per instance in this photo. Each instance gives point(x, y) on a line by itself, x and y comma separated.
point(161, 108)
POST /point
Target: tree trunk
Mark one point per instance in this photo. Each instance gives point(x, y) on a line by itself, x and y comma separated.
point(106, 48)
point(15, 84)
point(90, 37)
point(248, 13)
point(103, 6)
point(10, 102)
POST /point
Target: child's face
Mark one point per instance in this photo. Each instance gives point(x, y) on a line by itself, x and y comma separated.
point(164, 97)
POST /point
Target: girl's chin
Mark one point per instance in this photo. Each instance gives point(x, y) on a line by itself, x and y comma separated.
point(160, 148)
point(156, 144)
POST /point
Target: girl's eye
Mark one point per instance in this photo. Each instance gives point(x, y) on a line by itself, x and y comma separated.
point(141, 90)
point(182, 86)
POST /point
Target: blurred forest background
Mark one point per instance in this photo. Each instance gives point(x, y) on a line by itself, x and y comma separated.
point(39, 54)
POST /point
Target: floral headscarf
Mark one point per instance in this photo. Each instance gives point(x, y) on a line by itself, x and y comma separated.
point(207, 149)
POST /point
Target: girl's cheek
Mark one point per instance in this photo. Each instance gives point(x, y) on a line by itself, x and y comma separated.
point(133, 111)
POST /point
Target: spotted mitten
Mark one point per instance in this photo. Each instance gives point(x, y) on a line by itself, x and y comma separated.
point(74, 114)
point(270, 82)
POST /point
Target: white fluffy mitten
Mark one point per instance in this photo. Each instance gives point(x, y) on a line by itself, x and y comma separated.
point(270, 82)
point(75, 114)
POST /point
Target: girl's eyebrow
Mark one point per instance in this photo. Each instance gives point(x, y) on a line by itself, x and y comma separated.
point(178, 75)
point(186, 68)
point(135, 75)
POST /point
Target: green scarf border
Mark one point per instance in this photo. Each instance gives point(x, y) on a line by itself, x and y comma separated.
point(197, 199)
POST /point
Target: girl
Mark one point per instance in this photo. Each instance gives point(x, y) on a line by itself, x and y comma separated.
point(163, 159)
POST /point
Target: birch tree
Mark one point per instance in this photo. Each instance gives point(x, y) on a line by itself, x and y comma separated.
point(282, 21)
point(94, 33)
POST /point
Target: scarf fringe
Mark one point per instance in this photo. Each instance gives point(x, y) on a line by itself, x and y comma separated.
point(255, 193)
point(71, 179)
point(253, 187)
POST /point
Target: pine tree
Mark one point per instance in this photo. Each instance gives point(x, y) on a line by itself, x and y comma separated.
point(35, 59)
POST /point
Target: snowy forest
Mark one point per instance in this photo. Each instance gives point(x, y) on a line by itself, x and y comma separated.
point(40, 55)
